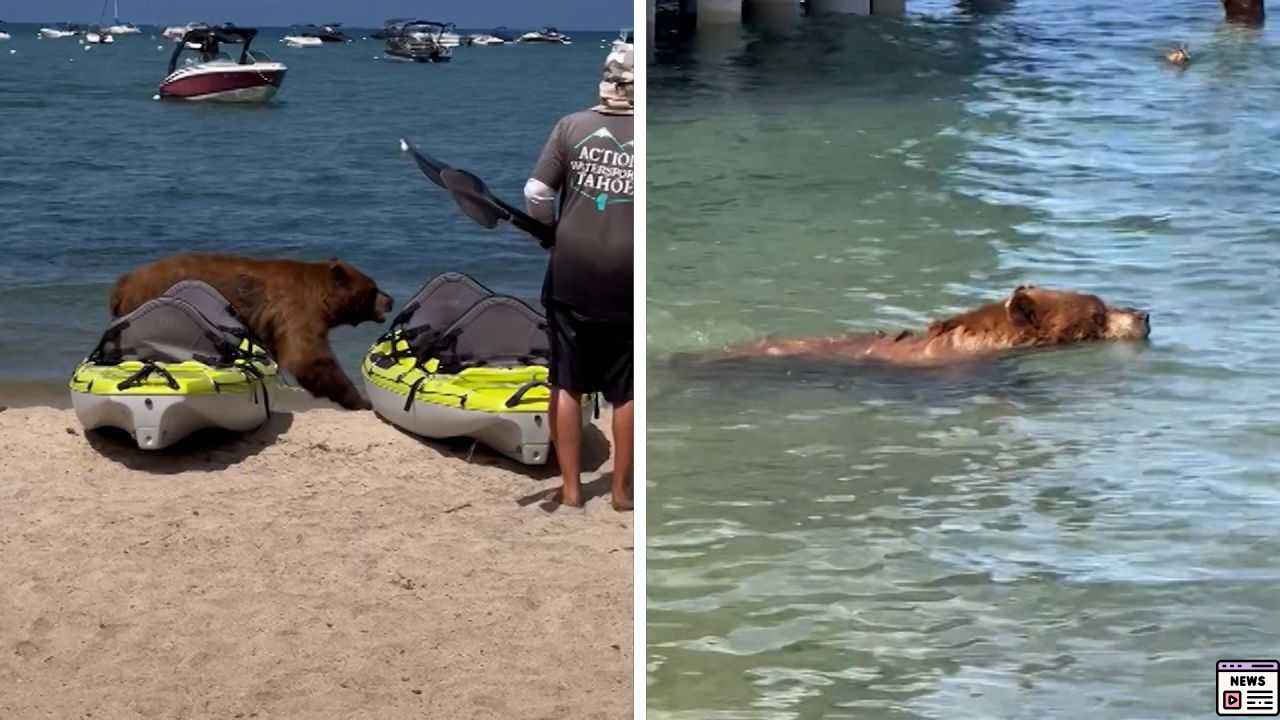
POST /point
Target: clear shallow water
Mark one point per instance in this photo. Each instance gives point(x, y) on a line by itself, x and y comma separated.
point(96, 177)
point(1060, 534)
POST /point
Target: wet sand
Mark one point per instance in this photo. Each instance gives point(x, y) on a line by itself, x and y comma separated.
point(326, 566)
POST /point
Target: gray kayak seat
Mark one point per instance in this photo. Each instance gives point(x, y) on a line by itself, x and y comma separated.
point(172, 329)
point(441, 301)
point(462, 323)
point(498, 331)
point(209, 302)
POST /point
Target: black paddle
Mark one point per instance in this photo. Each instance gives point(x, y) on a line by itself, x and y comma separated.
point(475, 199)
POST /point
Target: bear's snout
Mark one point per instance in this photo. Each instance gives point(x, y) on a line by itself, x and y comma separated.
point(1128, 324)
point(381, 306)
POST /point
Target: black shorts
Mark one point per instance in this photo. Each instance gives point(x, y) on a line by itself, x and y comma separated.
point(590, 355)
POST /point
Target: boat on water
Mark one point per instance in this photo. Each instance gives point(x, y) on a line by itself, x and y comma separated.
point(175, 32)
point(419, 41)
point(331, 33)
point(485, 39)
point(254, 77)
point(546, 35)
point(118, 28)
point(3, 35)
point(59, 31)
point(302, 41)
point(98, 36)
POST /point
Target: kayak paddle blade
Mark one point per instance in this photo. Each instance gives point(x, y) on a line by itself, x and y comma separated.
point(429, 166)
point(473, 197)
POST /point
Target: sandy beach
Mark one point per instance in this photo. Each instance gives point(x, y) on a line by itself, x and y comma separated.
point(326, 566)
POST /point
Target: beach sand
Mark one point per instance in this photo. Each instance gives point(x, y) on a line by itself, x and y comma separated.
point(326, 566)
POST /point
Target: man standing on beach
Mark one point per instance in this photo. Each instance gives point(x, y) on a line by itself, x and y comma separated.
point(587, 291)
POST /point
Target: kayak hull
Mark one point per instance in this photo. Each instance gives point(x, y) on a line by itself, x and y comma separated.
point(158, 421)
point(521, 436)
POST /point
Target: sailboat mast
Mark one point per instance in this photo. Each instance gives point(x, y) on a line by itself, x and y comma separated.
point(117, 12)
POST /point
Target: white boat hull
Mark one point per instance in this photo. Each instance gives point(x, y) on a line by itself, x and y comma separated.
point(521, 436)
point(4, 36)
point(158, 421)
point(225, 82)
point(51, 34)
point(297, 41)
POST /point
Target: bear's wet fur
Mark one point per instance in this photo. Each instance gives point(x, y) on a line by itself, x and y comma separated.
point(1030, 317)
point(289, 304)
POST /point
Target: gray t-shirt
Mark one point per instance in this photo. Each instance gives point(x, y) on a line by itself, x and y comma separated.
point(588, 159)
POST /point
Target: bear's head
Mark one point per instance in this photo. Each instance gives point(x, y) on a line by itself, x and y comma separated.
point(354, 297)
point(1033, 316)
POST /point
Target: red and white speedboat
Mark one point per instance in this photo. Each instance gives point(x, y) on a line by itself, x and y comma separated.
point(253, 78)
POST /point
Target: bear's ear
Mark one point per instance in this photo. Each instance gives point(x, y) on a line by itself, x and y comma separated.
point(1021, 308)
point(339, 272)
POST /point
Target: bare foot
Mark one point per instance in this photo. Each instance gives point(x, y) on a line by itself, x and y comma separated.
point(621, 496)
point(561, 497)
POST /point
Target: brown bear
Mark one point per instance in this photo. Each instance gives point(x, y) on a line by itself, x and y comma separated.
point(1030, 317)
point(289, 304)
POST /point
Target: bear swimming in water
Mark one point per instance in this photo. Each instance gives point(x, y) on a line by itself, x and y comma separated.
point(289, 304)
point(1030, 317)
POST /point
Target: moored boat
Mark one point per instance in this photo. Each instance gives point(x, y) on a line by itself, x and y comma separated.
point(176, 32)
point(486, 39)
point(301, 41)
point(57, 32)
point(419, 41)
point(546, 35)
point(254, 77)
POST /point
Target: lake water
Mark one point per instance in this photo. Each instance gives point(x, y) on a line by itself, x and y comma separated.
point(96, 177)
point(1077, 533)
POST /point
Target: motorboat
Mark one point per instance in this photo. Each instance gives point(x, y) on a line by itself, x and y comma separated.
point(177, 364)
point(98, 36)
point(3, 35)
point(302, 41)
point(254, 77)
point(57, 32)
point(326, 33)
point(419, 41)
point(546, 35)
point(485, 39)
point(175, 32)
